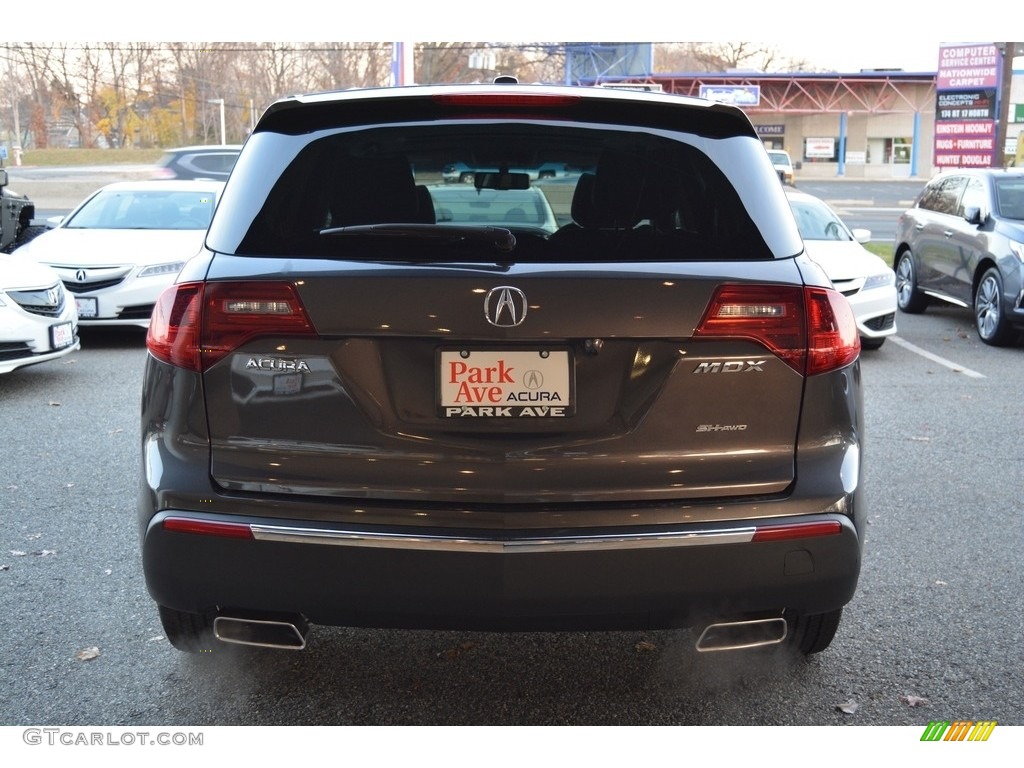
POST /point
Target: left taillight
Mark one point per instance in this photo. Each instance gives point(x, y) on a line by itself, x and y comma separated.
point(194, 325)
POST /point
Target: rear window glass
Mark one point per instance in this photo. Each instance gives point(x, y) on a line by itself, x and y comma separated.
point(566, 192)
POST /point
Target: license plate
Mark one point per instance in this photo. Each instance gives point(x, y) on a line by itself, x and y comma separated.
point(61, 335)
point(505, 383)
point(87, 307)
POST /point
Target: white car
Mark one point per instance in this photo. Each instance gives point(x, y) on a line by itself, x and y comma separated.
point(867, 282)
point(38, 321)
point(519, 208)
point(127, 242)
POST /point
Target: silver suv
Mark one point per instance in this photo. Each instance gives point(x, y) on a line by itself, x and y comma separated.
point(358, 412)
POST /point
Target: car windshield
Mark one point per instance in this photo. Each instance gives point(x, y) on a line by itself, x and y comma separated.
point(816, 221)
point(507, 208)
point(778, 158)
point(145, 209)
point(1010, 198)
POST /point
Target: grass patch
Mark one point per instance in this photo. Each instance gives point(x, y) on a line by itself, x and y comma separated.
point(90, 156)
point(882, 249)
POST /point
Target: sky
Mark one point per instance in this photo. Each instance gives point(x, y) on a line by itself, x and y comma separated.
point(844, 38)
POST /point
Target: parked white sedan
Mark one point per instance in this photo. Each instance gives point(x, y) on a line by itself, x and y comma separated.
point(38, 321)
point(123, 245)
point(867, 282)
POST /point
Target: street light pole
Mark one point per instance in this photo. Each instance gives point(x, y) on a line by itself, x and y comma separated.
point(1008, 51)
point(221, 102)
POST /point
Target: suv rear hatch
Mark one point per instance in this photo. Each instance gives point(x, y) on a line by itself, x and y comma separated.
point(654, 348)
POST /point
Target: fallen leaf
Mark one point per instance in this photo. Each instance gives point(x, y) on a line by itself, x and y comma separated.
point(5, 567)
point(848, 707)
point(914, 701)
point(155, 639)
point(454, 653)
point(645, 646)
point(88, 654)
point(45, 552)
point(115, 431)
point(53, 402)
point(107, 572)
point(940, 582)
point(69, 485)
point(921, 439)
point(18, 553)
point(34, 536)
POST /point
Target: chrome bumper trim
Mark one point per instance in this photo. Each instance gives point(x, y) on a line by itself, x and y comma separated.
point(501, 546)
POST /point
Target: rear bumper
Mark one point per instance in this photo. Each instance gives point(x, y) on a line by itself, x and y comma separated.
point(607, 579)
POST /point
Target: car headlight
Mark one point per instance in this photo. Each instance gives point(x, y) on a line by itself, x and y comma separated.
point(1017, 249)
point(879, 281)
point(162, 269)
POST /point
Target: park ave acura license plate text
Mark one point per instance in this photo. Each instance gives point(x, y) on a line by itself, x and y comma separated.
point(504, 383)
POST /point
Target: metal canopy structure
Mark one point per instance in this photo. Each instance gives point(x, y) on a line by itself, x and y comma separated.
point(805, 93)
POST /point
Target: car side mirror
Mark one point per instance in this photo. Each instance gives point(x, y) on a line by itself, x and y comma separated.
point(973, 216)
point(3, 177)
point(861, 235)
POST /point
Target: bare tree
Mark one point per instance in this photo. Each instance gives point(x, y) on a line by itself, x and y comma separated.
point(725, 57)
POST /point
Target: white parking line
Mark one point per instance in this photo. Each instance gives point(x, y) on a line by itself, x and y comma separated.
point(956, 368)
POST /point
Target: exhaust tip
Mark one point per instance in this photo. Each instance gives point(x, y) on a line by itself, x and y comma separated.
point(736, 635)
point(289, 634)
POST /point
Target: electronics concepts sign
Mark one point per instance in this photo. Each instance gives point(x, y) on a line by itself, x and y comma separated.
point(967, 87)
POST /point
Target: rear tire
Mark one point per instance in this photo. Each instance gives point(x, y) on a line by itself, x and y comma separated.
point(811, 634)
point(908, 297)
point(871, 342)
point(189, 632)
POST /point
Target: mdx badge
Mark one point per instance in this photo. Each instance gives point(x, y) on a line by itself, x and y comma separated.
point(505, 306)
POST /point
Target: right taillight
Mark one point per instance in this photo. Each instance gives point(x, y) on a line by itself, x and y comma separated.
point(194, 325)
point(812, 329)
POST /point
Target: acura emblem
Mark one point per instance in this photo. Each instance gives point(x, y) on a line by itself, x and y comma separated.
point(505, 306)
point(81, 276)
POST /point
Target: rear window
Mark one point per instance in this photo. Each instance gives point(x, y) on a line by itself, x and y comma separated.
point(621, 194)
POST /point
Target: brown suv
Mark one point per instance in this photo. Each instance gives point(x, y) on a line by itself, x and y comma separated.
point(361, 411)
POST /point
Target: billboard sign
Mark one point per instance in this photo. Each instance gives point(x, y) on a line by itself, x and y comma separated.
point(740, 95)
point(824, 148)
point(967, 89)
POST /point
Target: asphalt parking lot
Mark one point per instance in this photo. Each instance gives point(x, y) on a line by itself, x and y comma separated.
point(927, 637)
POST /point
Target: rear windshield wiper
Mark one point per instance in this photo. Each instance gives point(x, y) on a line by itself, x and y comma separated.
point(499, 237)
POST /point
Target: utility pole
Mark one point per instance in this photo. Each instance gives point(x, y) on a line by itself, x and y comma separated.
point(1008, 51)
point(16, 145)
point(221, 102)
